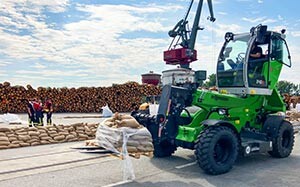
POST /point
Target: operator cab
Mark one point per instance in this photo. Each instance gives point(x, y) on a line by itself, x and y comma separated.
point(251, 63)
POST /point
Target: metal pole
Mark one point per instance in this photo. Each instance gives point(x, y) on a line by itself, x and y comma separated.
point(188, 11)
point(212, 17)
point(195, 26)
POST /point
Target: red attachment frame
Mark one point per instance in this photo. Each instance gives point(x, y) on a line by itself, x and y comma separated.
point(180, 56)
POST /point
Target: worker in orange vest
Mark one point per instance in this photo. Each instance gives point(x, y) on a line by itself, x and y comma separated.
point(48, 109)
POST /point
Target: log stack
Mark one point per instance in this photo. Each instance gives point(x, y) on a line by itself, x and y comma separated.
point(121, 98)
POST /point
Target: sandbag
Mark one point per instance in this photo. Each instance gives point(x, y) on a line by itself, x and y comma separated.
point(2, 134)
point(132, 123)
point(115, 134)
point(3, 138)
point(4, 143)
point(123, 130)
point(121, 120)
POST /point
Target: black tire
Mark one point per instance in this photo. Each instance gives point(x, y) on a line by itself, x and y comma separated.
point(216, 149)
point(283, 143)
point(164, 149)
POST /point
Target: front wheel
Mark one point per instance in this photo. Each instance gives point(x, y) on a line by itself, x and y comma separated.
point(282, 144)
point(216, 149)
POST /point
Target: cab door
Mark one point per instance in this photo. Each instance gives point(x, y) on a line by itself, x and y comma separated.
point(258, 76)
point(279, 56)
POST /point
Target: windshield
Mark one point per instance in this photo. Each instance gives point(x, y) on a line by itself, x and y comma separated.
point(230, 63)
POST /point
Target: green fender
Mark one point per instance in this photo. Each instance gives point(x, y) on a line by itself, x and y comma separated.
point(216, 122)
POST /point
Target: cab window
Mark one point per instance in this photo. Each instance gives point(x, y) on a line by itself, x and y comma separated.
point(230, 64)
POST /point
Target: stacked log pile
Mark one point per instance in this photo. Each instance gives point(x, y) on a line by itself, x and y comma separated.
point(121, 98)
point(24, 136)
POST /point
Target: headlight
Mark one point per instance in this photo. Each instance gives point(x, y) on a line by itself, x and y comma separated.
point(222, 111)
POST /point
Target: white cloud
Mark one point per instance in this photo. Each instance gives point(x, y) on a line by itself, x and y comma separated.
point(3, 73)
point(52, 73)
point(260, 1)
point(25, 14)
point(35, 6)
point(268, 21)
point(295, 33)
point(93, 42)
point(221, 29)
point(4, 63)
point(123, 17)
point(251, 20)
point(223, 13)
point(39, 66)
point(262, 20)
point(52, 5)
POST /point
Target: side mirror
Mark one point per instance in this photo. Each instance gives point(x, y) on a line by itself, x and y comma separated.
point(200, 75)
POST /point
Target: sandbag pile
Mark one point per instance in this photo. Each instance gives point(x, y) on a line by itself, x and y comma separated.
point(122, 133)
point(122, 97)
point(30, 136)
point(121, 120)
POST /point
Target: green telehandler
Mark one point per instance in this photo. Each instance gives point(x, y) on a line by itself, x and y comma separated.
point(244, 117)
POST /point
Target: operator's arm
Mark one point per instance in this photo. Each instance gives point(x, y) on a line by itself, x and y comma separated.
point(257, 53)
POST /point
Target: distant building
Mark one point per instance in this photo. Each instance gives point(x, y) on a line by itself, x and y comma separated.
point(151, 78)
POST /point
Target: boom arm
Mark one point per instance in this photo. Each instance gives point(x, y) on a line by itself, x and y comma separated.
point(197, 20)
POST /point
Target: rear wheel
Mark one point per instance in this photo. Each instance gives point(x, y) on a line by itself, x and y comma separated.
point(283, 142)
point(164, 149)
point(216, 149)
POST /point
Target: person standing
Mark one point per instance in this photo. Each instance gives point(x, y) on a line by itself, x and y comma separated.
point(30, 112)
point(298, 106)
point(40, 113)
point(48, 109)
point(37, 106)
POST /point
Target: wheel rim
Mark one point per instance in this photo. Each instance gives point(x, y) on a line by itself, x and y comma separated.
point(286, 139)
point(222, 150)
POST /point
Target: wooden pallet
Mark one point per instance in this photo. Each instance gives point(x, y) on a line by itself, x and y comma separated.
point(135, 155)
point(101, 151)
point(138, 154)
point(87, 147)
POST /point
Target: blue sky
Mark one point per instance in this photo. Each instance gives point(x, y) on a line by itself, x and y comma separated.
point(77, 43)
